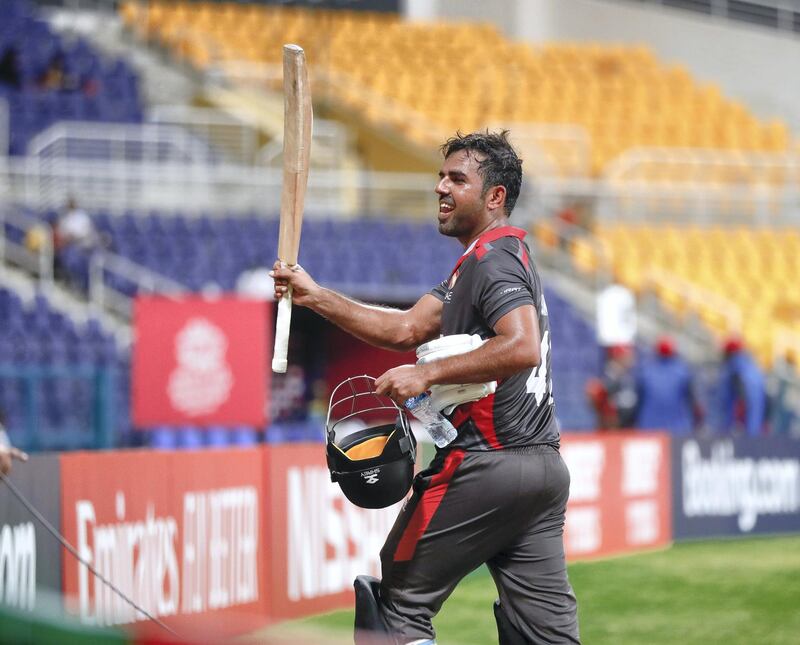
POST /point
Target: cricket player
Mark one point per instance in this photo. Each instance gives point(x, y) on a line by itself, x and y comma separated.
point(497, 494)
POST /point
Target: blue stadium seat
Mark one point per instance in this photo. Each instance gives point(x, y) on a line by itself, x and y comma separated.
point(163, 438)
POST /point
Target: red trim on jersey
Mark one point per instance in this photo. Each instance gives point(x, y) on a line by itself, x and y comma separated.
point(525, 259)
point(426, 508)
point(486, 238)
point(482, 414)
point(461, 414)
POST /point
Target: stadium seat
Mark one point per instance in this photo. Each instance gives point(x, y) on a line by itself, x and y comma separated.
point(712, 273)
point(623, 96)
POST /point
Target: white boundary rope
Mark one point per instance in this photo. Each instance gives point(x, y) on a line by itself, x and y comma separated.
point(54, 532)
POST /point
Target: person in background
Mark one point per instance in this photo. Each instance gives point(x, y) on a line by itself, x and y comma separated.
point(665, 390)
point(75, 228)
point(613, 395)
point(56, 77)
point(256, 282)
point(10, 75)
point(7, 451)
point(742, 390)
point(75, 239)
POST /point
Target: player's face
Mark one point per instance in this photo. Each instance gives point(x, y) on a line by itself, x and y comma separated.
point(462, 205)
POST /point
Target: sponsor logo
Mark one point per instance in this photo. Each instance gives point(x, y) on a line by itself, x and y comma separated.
point(585, 461)
point(723, 485)
point(641, 459)
point(18, 566)
point(371, 476)
point(510, 290)
point(584, 529)
point(202, 379)
point(218, 569)
point(330, 541)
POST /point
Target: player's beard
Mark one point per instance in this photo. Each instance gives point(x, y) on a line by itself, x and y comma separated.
point(460, 223)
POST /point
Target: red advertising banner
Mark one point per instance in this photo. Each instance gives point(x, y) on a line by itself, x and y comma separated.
point(180, 533)
point(620, 495)
point(200, 362)
point(319, 541)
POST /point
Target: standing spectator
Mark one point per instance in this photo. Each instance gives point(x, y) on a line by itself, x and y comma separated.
point(666, 391)
point(9, 69)
point(256, 282)
point(614, 396)
point(56, 77)
point(75, 239)
point(619, 382)
point(742, 390)
point(75, 228)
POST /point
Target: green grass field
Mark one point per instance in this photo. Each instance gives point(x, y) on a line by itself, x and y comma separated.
point(731, 592)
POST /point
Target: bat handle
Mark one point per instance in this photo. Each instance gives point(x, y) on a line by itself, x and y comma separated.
point(279, 362)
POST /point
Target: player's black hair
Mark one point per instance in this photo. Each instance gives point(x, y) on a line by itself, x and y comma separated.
point(500, 166)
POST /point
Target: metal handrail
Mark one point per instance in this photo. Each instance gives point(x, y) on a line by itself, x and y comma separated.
point(629, 163)
point(697, 297)
point(107, 297)
point(225, 130)
point(786, 12)
point(38, 261)
point(152, 140)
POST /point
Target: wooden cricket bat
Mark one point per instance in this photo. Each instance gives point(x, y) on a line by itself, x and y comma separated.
point(297, 120)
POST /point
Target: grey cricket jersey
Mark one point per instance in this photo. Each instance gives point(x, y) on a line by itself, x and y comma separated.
point(494, 276)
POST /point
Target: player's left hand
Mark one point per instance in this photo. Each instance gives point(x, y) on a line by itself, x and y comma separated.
point(403, 382)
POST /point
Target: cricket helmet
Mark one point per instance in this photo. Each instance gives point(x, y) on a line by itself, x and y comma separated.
point(370, 446)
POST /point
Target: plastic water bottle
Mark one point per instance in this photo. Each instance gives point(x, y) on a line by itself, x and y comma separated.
point(438, 427)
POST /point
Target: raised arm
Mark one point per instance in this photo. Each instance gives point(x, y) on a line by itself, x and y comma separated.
point(384, 327)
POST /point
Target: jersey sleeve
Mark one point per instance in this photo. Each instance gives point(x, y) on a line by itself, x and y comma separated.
point(439, 291)
point(502, 282)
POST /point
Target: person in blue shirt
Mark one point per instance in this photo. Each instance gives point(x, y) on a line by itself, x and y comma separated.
point(742, 390)
point(666, 399)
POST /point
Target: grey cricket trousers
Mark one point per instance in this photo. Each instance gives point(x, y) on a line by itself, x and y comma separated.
point(504, 508)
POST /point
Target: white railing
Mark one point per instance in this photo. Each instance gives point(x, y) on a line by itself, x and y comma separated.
point(551, 149)
point(5, 129)
point(783, 15)
point(705, 167)
point(643, 201)
point(118, 186)
point(225, 131)
point(331, 84)
point(329, 142)
point(135, 143)
point(104, 295)
point(35, 257)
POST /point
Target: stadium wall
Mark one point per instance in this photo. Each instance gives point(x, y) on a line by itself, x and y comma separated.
point(222, 542)
point(751, 64)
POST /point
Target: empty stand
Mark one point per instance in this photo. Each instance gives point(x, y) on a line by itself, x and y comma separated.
point(420, 79)
point(734, 280)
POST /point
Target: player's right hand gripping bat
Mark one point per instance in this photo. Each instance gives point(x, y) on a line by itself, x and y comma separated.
point(297, 120)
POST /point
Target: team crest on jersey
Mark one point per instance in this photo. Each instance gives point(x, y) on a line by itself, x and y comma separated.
point(453, 279)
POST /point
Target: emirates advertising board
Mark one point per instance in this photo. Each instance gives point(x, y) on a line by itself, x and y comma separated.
point(180, 533)
point(619, 493)
point(200, 362)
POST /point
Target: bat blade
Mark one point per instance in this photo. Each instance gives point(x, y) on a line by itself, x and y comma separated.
point(297, 122)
